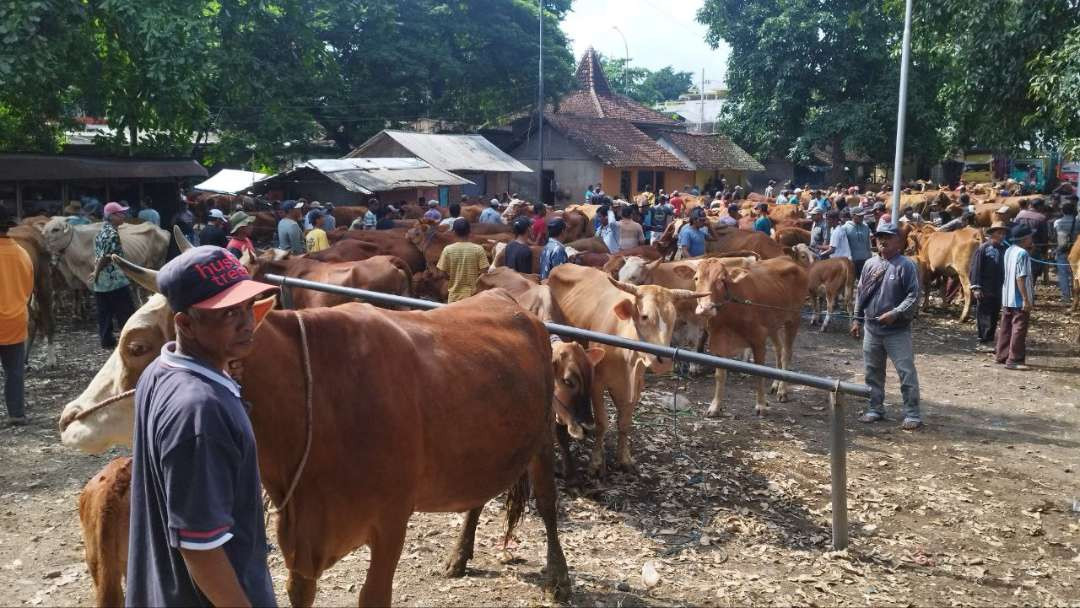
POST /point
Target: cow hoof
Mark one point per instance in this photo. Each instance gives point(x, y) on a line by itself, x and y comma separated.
point(761, 411)
point(598, 470)
point(454, 569)
point(628, 467)
point(712, 412)
point(557, 589)
point(781, 397)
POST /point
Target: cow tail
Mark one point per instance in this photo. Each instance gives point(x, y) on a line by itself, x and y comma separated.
point(516, 499)
point(404, 268)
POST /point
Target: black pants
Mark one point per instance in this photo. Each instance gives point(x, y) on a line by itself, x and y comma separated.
point(858, 267)
point(13, 359)
point(116, 304)
point(987, 312)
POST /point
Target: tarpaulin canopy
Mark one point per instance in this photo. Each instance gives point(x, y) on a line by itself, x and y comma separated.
point(370, 175)
point(231, 181)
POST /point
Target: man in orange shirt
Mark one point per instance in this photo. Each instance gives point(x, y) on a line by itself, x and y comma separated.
point(15, 290)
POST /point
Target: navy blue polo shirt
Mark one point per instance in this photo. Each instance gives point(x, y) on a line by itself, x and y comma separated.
point(194, 484)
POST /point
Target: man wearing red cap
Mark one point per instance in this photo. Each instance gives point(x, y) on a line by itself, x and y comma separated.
point(110, 286)
point(197, 536)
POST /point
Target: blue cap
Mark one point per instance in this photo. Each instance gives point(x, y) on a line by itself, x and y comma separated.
point(1020, 232)
point(288, 206)
point(207, 277)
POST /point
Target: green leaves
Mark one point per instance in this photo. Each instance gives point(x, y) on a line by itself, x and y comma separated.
point(269, 76)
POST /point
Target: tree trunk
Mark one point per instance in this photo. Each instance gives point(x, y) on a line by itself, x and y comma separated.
point(837, 175)
point(133, 130)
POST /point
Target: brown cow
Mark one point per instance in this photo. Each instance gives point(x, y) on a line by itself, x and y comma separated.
point(827, 279)
point(746, 308)
point(948, 254)
point(346, 250)
point(42, 318)
point(732, 239)
point(430, 241)
point(589, 245)
point(380, 273)
point(345, 215)
point(396, 447)
point(392, 242)
point(431, 284)
point(104, 512)
point(789, 237)
point(588, 298)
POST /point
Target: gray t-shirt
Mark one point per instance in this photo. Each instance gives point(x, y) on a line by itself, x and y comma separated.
point(290, 236)
point(194, 484)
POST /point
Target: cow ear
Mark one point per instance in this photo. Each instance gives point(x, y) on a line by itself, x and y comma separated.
point(263, 308)
point(595, 355)
point(624, 310)
point(684, 272)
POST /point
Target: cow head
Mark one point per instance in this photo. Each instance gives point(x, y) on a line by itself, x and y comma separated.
point(802, 254)
point(141, 340)
point(713, 281)
point(58, 234)
point(654, 311)
point(574, 367)
point(637, 270)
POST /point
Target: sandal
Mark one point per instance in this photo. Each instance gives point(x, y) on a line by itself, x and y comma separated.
point(911, 425)
point(871, 417)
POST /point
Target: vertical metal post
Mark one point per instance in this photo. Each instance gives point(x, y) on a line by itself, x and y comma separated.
point(540, 109)
point(286, 298)
point(838, 460)
point(901, 113)
point(18, 201)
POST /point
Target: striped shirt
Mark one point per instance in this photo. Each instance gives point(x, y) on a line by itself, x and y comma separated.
point(462, 262)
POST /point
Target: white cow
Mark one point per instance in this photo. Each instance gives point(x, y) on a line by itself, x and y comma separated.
point(72, 247)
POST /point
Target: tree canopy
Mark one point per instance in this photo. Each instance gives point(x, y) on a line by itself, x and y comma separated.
point(267, 75)
point(824, 73)
point(644, 85)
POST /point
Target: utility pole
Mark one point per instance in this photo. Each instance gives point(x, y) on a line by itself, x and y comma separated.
point(540, 109)
point(702, 96)
point(901, 114)
point(626, 63)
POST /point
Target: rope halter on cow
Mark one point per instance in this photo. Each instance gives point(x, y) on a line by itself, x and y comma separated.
point(309, 387)
point(83, 414)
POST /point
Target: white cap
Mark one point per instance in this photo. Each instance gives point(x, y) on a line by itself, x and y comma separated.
point(433, 203)
point(494, 202)
point(218, 214)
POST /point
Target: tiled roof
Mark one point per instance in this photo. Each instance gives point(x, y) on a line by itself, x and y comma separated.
point(615, 142)
point(595, 99)
point(713, 152)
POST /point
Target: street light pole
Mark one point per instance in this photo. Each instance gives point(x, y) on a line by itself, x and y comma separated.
point(540, 108)
point(626, 64)
point(901, 113)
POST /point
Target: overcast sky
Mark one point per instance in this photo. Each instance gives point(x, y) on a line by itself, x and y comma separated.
point(658, 33)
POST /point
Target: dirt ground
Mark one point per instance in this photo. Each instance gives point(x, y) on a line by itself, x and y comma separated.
point(980, 508)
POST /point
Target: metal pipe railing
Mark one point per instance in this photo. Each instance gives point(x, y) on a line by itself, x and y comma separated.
point(667, 352)
point(836, 388)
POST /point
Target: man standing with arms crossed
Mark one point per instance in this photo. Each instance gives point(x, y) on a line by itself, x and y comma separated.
point(197, 536)
point(888, 296)
point(16, 286)
point(987, 267)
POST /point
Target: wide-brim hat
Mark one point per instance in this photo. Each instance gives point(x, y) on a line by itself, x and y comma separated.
point(240, 219)
point(997, 226)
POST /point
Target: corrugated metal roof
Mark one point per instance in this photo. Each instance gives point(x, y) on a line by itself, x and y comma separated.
point(450, 152)
point(370, 175)
point(230, 181)
point(42, 167)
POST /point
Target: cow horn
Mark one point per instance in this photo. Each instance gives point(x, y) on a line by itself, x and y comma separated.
point(686, 294)
point(143, 276)
point(630, 289)
point(181, 241)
